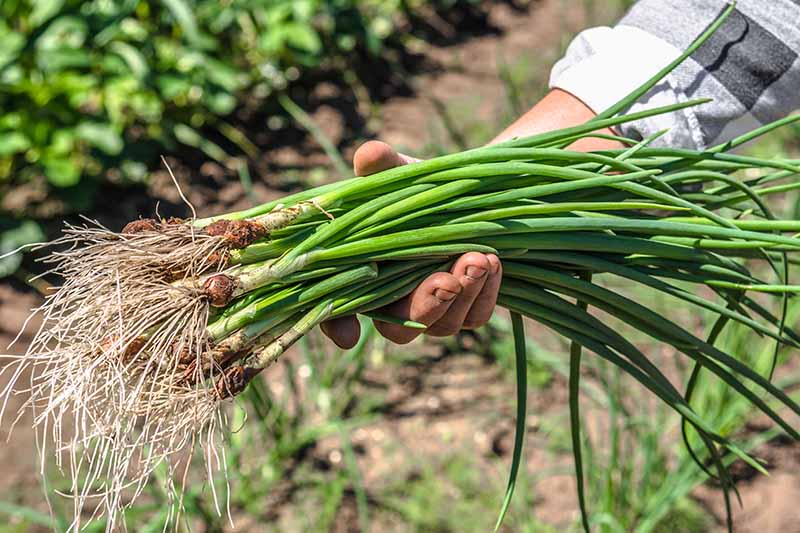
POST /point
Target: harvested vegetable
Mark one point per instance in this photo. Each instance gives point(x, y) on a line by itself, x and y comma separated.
point(157, 325)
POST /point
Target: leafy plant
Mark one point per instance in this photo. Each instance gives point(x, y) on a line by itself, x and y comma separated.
point(95, 89)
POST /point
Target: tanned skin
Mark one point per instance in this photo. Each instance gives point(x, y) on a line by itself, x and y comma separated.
point(465, 297)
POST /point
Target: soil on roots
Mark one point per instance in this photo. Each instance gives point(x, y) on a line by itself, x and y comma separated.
point(105, 367)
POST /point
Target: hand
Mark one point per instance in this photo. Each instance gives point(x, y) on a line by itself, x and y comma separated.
point(466, 296)
point(446, 302)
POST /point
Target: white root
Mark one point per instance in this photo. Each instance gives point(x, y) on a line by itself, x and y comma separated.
point(107, 363)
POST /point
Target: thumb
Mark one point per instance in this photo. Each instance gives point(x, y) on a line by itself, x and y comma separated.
point(374, 156)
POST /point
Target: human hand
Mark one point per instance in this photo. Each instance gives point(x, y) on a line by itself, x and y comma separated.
point(466, 296)
point(446, 302)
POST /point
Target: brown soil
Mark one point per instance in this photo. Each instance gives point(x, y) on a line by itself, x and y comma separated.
point(448, 400)
point(18, 462)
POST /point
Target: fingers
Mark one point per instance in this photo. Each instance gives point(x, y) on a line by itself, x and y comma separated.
point(484, 304)
point(343, 331)
point(426, 305)
point(471, 270)
point(374, 156)
point(448, 302)
point(445, 302)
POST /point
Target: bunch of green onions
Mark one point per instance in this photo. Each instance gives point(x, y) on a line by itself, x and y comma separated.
point(670, 220)
point(556, 219)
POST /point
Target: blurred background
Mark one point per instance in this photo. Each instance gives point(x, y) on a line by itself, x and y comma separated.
point(251, 99)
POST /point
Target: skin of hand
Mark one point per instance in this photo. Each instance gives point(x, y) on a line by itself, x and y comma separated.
point(465, 297)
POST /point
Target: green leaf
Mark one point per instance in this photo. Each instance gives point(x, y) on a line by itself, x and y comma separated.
point(133, 29)
point(303, 9)
point(11, 43)
point(61, 171)
point(64, 32)
point(13, 142)
point(521, 366)
point(302, 37)
point(26, 232)
point(55, 60)
point(62, 142)
point(101, 136)
point(184, 17)
point(220, 103)
point(278, 14)
point(172, 86)
point(44, 10)
point(133, 58)
point(575, 353)
point(117, 95)
point(147, 106)
point(222, 74)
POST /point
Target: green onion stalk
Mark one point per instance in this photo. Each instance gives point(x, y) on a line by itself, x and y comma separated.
point(156, 325)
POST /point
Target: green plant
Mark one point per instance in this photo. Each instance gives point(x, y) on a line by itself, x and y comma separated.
point(95, 90)
point(637, 480)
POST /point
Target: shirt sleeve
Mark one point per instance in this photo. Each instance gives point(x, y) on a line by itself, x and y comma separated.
point(749, 67)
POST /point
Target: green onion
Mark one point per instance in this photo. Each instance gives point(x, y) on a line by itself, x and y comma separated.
point(155, 327)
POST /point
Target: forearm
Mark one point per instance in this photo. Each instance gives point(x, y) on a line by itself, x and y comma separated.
point(749, 68)
point(559, 109)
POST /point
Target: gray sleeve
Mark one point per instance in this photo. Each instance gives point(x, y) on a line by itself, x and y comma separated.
point(750, 66)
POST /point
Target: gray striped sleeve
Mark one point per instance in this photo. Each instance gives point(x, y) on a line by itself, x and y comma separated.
point(750, 66)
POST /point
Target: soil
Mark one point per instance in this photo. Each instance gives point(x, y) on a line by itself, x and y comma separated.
point(17, 463)
point(463, 399)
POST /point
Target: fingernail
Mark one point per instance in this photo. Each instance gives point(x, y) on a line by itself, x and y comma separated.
point(444, 295)
point(475, 272)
